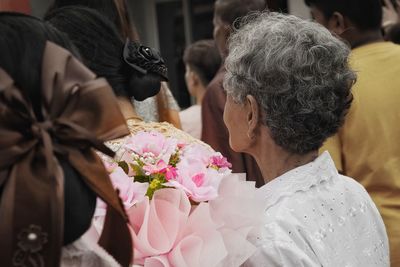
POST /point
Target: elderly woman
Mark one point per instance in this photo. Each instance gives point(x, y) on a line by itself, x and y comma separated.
point(288, 84)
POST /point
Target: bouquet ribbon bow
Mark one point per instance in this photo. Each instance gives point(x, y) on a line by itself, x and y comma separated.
point(77, 114)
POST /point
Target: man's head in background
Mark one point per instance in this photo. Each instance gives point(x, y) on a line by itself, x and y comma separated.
point(202, 62)
point(225, 14)
point(356, 21)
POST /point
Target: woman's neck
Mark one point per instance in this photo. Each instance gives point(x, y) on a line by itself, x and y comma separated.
point(274, 161)
point(357, 38)
point(127, 108)
point(200, 94)
point(277, 165)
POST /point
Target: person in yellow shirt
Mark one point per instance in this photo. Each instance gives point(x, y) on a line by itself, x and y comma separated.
point(367, 147)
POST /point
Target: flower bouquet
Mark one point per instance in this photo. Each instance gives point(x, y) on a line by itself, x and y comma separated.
point(185, 206)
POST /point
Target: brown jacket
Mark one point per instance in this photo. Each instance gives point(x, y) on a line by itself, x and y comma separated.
point(215, 133)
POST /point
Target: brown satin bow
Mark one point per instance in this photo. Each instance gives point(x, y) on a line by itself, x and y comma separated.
point(79, 114)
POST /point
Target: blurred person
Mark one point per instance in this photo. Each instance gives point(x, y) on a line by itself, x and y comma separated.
point(131, 69)
point(366, 147)
point(50, 174)
point(214, 131)
point(392, 34)
point(288, 86)
point(390, 13)
point(391, 21)
point(202, 62)
point(163, 106)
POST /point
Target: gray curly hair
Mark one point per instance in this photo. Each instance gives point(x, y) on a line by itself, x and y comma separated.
point(297, 71)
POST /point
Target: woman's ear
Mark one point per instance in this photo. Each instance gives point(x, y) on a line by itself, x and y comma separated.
point(253, 116)
point(337, 23)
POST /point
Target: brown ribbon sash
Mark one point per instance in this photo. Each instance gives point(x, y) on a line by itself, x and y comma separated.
point(79, 114)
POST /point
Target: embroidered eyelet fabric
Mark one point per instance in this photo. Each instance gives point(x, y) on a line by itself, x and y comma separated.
point(147, 109)
point(316, 217)
point(81, 253)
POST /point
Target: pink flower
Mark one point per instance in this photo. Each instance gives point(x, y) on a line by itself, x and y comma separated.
point(198, 179)
point(220, 161)
point(197, 153)
point(206, 156)
point(152, 145)
point(170, 173)
point(199, 182)
point(129, 191)
point(129, 160)
point(152, 169)
point(161, 167)
point(181, 144)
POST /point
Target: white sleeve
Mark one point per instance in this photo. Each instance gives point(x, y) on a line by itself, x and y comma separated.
point(274, 253)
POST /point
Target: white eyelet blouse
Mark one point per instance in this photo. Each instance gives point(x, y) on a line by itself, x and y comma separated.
point(316, 217)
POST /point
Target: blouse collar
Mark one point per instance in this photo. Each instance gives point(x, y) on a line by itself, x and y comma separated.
point(299, 179)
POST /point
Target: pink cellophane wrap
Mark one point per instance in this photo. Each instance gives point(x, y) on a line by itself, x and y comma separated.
point(169, 231)
point(238, 212)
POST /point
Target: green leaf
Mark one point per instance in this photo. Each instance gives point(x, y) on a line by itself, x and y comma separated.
point(124, 166)
point(155, 184)
point(174, 159)
point(138, 170)
point(142, 179)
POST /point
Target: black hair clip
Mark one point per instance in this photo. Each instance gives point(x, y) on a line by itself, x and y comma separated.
point(144, 59)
